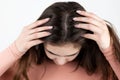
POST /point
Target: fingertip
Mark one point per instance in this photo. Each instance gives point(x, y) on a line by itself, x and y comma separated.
point(44, 19)
point(50, 27)
point(78, 11)
point(75, 18)
point(82, 12)
point(47, 19)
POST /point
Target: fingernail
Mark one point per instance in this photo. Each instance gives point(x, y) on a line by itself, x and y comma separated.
point(47, 19)
point(74, 18)
point(78, 11)
point(50, 27)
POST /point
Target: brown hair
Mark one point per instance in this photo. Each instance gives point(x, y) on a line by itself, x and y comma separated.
point(90, 57)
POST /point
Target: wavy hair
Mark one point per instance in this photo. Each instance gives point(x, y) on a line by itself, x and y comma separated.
point(61, 16)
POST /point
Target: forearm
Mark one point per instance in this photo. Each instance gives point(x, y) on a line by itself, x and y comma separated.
point(113, 61)
point(115, 64)
point(8, 57)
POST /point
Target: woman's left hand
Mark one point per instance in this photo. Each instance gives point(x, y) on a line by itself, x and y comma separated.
point(97, 26)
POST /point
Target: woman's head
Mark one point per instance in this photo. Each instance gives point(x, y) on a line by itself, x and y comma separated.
point(66, 44)
point(61, 18)
point(64, 35)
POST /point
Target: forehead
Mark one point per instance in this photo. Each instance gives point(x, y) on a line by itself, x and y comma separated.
point(68, 48)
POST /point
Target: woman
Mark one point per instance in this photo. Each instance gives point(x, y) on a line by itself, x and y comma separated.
point(65, 43)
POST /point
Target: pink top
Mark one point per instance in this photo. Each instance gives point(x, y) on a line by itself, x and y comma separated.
point(52, 72)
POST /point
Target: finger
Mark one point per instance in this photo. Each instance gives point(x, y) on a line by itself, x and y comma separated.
point(38, 23)
point(40, 29)
point(90, 36)
point(35, 42)
point(89, 20)
point(90, 27)
point(89, 14)
point(39, 35)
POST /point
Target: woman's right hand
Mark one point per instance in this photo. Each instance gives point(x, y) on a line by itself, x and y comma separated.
point(31, 34)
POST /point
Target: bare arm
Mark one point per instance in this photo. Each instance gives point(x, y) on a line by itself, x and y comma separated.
point(115, 64)
point(8, 57)
point(30, 36)
point(100, 35)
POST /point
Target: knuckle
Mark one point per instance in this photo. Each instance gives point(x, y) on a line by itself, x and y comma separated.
point(35, 35)
point(35, 30)
point(37, 23)
point(88, 19)
point(104, 23)
point(91, 20)
point(92, 14)
point(89, 26)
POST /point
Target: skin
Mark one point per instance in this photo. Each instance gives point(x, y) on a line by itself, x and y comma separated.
point(97, 26)
point(62, 54)
point(31, 35)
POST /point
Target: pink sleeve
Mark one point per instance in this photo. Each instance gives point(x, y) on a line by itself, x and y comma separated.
point(115, 64)
point(8, 57)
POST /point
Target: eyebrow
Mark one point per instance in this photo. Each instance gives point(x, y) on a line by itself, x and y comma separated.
point(60, 55)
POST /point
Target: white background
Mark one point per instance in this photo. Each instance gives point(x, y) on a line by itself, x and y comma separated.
point(15, 14)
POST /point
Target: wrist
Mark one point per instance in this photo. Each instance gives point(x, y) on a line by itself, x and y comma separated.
point(15, 51)
point(109, 53)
